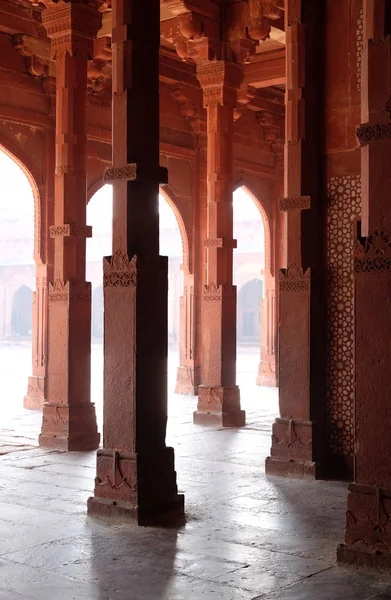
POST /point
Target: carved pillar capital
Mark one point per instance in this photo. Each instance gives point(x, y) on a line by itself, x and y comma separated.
point(72, 28)
point(220, 81)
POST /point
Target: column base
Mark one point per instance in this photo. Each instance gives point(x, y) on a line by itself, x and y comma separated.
point(353, 557)
point(187, 381)
point(35, 393)
point(220, 407)
point(368, 528)
point(292, 468)
point(136, 488)
point(267, 376)
point(291, 451)
point(69, 427)
point(123, 512)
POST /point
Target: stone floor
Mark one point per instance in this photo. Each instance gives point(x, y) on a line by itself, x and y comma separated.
point(247, 536)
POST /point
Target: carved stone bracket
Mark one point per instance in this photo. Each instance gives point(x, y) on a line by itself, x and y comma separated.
point(119, 270)
point(295, 279)
point(220, 81)
point(70, 230)
point(367, 133)
point(373, 254)
point(299, 203)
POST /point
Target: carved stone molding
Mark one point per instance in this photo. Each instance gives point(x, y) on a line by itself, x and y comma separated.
point(127, 173)
point(119, 270)
point(212, 292)
point(70, 230)
point(220, 243)
point(367, 133)
point(299, 203)
point(294, 279)
point(65, 291)
point(373, 254)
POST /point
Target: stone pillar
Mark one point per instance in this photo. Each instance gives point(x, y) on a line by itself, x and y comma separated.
point(219, 396)
point(296, 443)
point(368, 517)
point(136, 479)
point(36, 390)
point(188, 373)
point(69, 420)
point(267, 366)
point(43, 256)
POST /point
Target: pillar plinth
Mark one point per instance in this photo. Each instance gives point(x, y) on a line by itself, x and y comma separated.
point(368, 528)
point(136, 478)
point(138, 488)
point(69, 427)
point(35, 398)
point(187, 380)
point(291, 453)
point(267, 372)
point(219, 406)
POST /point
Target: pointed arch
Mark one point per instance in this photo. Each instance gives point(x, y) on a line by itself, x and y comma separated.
point(169, 196)
point(266, 227)
point(21, 160)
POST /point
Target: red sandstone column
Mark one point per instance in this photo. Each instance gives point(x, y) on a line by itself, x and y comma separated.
point(267, 366)
point(293, 450)
point(368, 518)
point(136, 478)
point(219, 396)
point(69, 416)
point(43, 256)
point(36, 390)
point(188, 373)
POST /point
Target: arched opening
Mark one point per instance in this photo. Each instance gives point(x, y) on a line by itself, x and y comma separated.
point(22, 317)
point(248, 276)
point(249, 312)
point(170, 244)
point(17, 283)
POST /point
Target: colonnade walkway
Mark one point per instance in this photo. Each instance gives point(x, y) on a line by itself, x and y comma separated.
point(247, 536)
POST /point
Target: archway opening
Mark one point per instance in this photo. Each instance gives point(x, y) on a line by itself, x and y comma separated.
point(21, 317)
point(17, 283)
point(248, 276)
